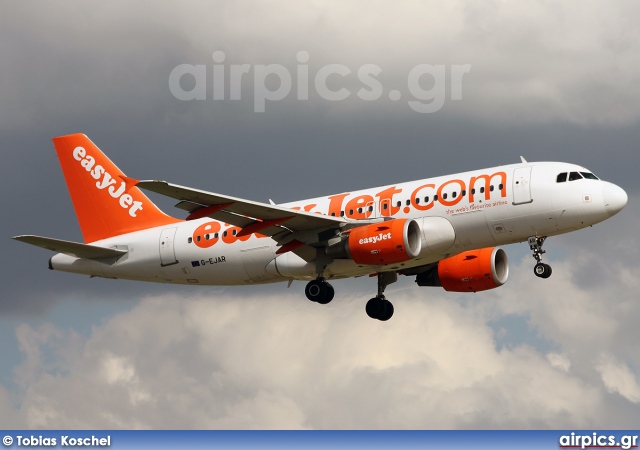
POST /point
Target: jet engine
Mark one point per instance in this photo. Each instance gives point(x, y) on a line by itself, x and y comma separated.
point(472, 271)
point(388, 242)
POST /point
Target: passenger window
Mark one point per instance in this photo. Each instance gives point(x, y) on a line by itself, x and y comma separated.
point(408, 202)
point(501, 186)
point(426, 199)
point(561, 178)
point(454, 195)
point(482, 190)
point(463, 193)
point(341, 213)
point(333, 214)
point(370, 208)
point(491, 188)
point(399, 204)
point(235, 232)
point(206, 237)
point(573, 176)
point(198, 238)
point(473, 191)
point(444, 196)
point(385, 206)
point(435, 198)
point(351, 212)
point(215, 235)
point(223, 234)
point(417, 201)
point(190, 240)
point(359, 210)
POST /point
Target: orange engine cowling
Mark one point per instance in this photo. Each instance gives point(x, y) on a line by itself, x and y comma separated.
point(472, 271)
point(388, 242)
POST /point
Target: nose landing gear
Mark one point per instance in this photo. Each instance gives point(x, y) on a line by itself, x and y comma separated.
point(541, 269)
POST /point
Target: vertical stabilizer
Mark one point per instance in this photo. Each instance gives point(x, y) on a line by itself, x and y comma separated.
point(105, 200)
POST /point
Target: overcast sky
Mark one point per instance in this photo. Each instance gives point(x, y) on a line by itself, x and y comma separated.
point(550, 81)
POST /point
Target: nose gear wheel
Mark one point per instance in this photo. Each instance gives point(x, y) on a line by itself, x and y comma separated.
point(541, 269)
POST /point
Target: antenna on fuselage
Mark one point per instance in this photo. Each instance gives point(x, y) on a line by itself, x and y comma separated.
point(522, 159)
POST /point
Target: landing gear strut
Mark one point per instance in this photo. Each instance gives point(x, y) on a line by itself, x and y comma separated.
point(379, 307)
point(541, 269)
point(319, 291)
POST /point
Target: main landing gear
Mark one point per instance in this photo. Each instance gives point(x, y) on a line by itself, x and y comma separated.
point(319, 291)
point(541, 269)
point(378, 307)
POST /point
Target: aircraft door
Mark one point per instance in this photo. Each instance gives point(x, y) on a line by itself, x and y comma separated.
point(167, 250)
point(522, 185)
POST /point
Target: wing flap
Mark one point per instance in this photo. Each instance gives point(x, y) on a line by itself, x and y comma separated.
point(75, 249)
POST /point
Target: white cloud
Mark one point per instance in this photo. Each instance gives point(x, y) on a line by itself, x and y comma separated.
point(618, 378)
point(270, 361)
point(559, 361)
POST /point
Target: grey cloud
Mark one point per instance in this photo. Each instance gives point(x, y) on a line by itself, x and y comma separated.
point(281, 362)
point(551, 82)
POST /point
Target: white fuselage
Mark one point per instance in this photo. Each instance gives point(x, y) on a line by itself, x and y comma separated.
point(484, 208)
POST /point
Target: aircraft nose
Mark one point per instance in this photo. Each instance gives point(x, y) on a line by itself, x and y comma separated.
point(615, 198)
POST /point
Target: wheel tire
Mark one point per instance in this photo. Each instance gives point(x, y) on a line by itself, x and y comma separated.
point(328, 294)
point(373, 308)
point(389, 311)
point(319, 291)
point(314, 290)
point(542, 270)
point(376, 308)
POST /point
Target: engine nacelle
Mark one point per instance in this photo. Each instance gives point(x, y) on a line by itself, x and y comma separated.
point(472, 271)
point(388, 242)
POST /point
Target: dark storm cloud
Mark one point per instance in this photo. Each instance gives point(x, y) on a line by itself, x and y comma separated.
point(105, 73)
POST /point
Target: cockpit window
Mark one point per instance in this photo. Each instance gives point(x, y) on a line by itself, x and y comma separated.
point(562, 177)
point(573, 176)
point(589, 176)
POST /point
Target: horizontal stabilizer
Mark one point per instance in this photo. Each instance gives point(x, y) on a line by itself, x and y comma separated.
point(74, 249)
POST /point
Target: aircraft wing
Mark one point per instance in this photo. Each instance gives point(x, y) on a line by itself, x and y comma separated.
point(252, 217)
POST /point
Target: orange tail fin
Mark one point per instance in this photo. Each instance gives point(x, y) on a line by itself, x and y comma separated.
point(106, 201)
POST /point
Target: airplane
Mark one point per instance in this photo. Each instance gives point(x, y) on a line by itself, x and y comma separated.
point(444, 230)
